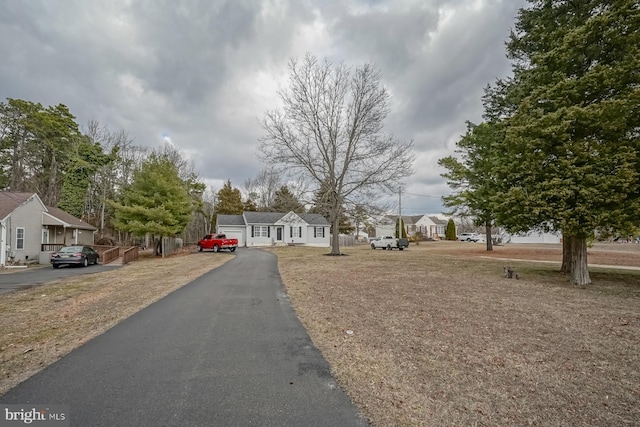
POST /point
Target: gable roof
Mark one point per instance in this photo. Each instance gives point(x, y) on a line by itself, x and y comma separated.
point(267, 218)
point(230, 220)
point(65, 219)
point(10, 201)
point(262, 217)
point(314, 219)
point(438, 221)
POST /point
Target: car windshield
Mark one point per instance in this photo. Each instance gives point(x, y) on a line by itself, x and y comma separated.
point(71, 249)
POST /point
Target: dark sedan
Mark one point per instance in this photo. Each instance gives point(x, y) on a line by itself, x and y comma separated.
point(74, 255)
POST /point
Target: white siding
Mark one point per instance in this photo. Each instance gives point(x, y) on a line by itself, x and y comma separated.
point(234, 232)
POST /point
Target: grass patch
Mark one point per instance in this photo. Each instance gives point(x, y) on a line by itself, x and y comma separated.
point(436, 335)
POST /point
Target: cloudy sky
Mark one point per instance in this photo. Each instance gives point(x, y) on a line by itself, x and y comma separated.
point(199, 74)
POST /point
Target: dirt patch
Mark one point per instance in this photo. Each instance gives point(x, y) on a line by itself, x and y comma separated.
point(43, 323)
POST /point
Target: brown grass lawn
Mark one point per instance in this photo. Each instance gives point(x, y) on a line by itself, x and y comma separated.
point(433, 335)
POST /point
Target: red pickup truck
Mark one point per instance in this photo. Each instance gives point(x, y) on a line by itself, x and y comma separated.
point(217, 242)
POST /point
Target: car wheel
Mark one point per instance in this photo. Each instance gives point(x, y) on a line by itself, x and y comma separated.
point(400, 249)
point(373, 246)
point(85, 262)
point(233, 249)
point(199, 248)
point(215, 248)
point(389, 247)
point(56, 265)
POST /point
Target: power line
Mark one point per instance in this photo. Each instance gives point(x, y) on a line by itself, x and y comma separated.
point(422, 195)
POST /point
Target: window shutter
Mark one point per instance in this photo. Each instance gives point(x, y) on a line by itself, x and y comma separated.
point(315, 232)
point(300, 232)
point(323, 231)
point(268, 231)
point(290, 231)
point(252, 231)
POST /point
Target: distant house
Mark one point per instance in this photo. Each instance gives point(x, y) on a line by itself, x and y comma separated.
point(29, 230)
point(535, 237)
point(430, 225)
point(275, 228)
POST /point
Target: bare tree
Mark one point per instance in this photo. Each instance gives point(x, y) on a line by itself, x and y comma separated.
point(262, 189)
point(330, 131)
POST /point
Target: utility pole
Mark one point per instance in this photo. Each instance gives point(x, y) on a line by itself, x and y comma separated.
point(399, 212)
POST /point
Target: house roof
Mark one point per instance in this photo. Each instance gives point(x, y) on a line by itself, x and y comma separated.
point(262, 217)
point(314, 219)
point(65, 219)
point(408, 220)
point(267, 218)
point(10, 201)
point(230, 220)
point(438, 221)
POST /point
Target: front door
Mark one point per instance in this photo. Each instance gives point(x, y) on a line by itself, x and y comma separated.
point(279, 234)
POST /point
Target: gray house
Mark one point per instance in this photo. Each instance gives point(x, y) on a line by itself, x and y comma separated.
point(30, 231)
point(275, 228)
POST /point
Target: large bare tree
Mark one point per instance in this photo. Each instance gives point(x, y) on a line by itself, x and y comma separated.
point(330, 131)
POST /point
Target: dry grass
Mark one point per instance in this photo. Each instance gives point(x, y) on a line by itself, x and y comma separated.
point(436, 336)
point(433, 335)
point(41, 324)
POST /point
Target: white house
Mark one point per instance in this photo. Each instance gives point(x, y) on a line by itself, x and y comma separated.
point(430, 225)
point(29, 230)
point(535, 237)
point(275, 228)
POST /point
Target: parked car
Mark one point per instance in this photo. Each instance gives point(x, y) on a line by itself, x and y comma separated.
point(74, 255)
point(469, 237)
point(389, 242)
point(217, 242)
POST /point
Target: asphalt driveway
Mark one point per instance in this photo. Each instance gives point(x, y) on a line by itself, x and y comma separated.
point(32, 276)
point(225, 350)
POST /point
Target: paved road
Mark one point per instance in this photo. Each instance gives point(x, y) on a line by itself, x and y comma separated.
point(21, 278)
point(225, 350)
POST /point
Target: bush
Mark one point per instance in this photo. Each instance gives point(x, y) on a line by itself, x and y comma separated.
point(450, 232)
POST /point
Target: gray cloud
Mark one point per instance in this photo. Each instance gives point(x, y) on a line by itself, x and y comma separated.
point(204, 72)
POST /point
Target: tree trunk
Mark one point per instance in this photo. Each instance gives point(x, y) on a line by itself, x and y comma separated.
point(335, 236)
point(567, 244)
point(487, 229)
point(579, 269)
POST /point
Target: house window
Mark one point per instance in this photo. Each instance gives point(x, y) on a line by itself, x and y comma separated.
point(261, 231)
point(20, 238)
point(296, 231)
point(318, 232)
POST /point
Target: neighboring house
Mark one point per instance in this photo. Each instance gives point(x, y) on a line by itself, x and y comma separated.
point(274, 228)
point(430, 225)
point(29, 230)
point(534, 237)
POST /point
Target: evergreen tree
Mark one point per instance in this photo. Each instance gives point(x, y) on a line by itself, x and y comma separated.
point(157, 201)
point(450, 232)
point(285, 201)
point(83, 165)
point(473, 177)
point(229, 200)
point(572, 111)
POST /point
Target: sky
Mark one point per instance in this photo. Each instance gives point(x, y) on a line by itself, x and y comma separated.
point(200, 74)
